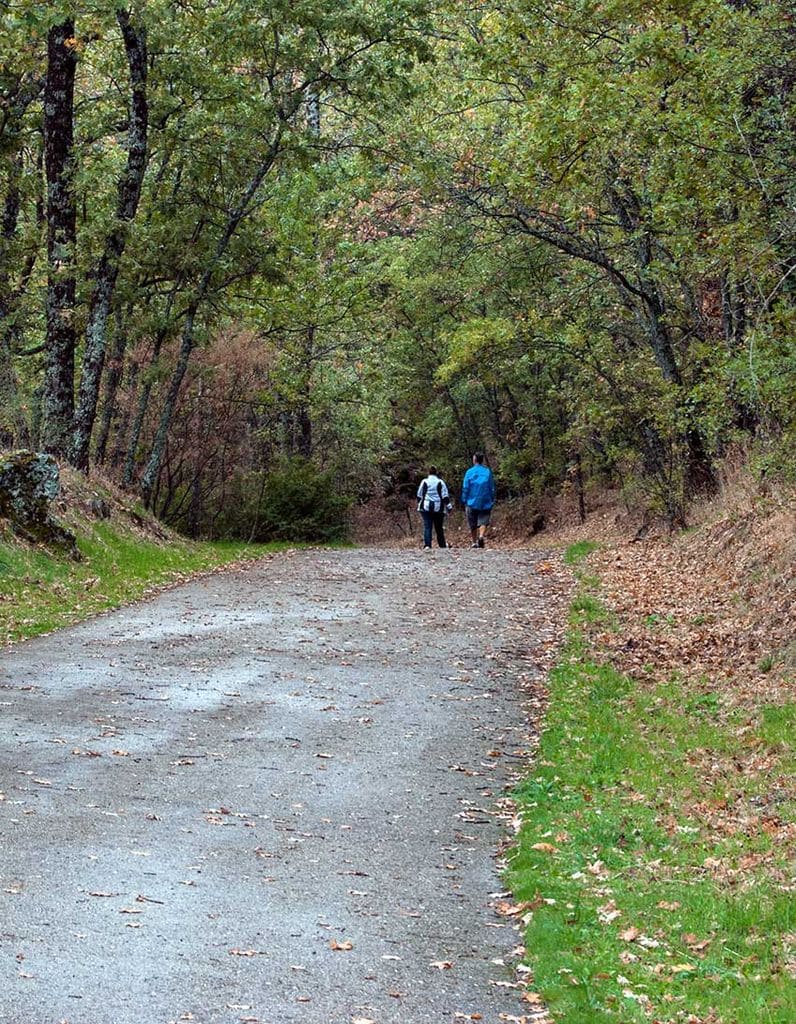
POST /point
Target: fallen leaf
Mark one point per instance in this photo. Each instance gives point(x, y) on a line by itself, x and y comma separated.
point(531, 997)
point(345, 945)
point(441, 965)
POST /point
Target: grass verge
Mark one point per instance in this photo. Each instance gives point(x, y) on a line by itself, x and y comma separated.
point(41, 591)
point(654, 857)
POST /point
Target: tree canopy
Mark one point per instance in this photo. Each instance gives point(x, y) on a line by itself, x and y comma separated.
point(348, 237)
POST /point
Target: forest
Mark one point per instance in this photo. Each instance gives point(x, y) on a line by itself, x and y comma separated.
point(264, 253)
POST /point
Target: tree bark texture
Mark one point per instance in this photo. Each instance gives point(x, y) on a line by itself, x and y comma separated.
point(13, 426)
point(113, 377)
point(107, 272)
point(59, 95)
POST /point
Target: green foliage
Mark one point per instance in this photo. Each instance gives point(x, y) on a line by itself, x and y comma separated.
point(572, 248)
point(301, 503)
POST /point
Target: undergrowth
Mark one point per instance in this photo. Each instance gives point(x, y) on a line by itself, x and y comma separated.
point(41, 591)
point(656, 885)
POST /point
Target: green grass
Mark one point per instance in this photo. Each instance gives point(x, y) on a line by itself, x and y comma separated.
point(778, 724)
point(576, 553)
point(41, 591)
point(620, 789)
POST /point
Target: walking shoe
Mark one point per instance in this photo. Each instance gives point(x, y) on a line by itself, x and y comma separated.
point(426, 547)
point(474, 544)
point(480, 542)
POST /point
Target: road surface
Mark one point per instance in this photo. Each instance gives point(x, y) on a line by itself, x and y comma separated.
point(270, 795)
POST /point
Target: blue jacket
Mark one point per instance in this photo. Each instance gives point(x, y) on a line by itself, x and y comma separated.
point(478, 488)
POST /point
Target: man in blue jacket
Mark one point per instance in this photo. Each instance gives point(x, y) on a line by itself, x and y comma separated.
point(478, 497)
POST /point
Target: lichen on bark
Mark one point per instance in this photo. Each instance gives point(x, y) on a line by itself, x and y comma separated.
point(29, 483)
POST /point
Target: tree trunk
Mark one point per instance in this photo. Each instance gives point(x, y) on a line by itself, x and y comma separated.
point(113, 378)
point(107, 272)
point(13, 426)
point(149, 479)
point(59, 371)
point(303, 413)
point(579, 488)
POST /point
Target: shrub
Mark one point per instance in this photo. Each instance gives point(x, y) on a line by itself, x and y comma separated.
point(302, 503)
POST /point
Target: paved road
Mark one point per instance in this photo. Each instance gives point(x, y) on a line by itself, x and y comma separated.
point(203, 794)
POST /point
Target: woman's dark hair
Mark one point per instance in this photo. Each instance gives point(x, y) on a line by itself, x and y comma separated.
point(432, 470)
point(479, 458)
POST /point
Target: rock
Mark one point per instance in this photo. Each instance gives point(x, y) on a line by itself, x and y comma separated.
point(100, 508)
point(29, 483)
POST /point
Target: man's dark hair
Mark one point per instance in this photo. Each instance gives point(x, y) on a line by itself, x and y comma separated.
point(432, 470)
point(479, 458)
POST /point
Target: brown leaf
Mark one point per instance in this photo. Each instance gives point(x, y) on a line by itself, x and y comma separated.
point(345, 945)
point(531, 997)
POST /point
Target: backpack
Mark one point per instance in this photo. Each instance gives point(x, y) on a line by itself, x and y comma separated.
point(428, 503)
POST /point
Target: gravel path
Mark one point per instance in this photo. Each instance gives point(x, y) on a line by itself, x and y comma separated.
point(203, 795)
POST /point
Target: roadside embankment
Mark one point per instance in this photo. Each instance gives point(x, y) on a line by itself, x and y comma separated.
point(126, 553)
point(654, 868)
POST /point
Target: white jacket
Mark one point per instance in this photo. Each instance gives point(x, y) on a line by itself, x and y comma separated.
point(432, 494)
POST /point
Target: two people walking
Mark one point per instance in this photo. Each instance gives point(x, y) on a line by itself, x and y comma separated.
point(478, 498)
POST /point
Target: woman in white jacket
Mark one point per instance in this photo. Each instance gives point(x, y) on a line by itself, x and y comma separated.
point(433, 502)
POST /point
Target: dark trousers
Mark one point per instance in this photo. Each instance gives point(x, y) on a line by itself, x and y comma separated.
point(437, 521)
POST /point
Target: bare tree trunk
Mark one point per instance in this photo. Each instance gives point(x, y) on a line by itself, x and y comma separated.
point(59, 372)
point(13, 426)
point(17, 99)
point(107, 272)
point(150, 476)
point(113, 377)
point(579, 488)
point(304, 415)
